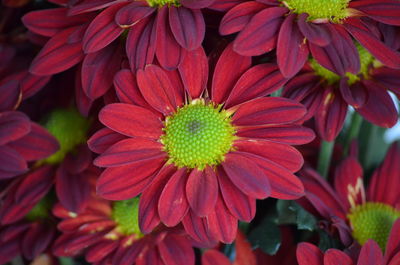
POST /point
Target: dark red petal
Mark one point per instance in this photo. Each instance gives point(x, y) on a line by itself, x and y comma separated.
point(224, 5)
point(31, 84)
point(331, 115)
point(188, 26)
point(355, 95)
point(141, 43)
point(148, 205)
point(222, 225)
point(176, 250)
point(103, 139)
point(308, 254)
point(99, 251)
point(202, 191)
point(10, 95)
point(197, 4)
point(284, 134)
point(169, 53)
point(59, 54)
point(83, 102)
point(258, 81)
point(38, 144)
point(194, 72)
point(212, 257)
point(240, 205)
point(11, 163)
point(196, 227)
point(125, 182)
point(393, 244)
point(318, 34)
point(388, 78)
point(129, 253)
point(37, 239)
point(132, 13)
point(98, 70)
point(157, 89)
point(370, 254)
point(9, 250)
point(246, 175)
point(131, 120)
point(13, 125)
point(260, 34)
point(150, 257)
point(292, 51)
point(334, 257)
point(385, 11)
point(228, 70)
point(379, 108)
point(103, 29)
point(130, 151)
point(173, 205)
point(269, 110)
point(238, 17)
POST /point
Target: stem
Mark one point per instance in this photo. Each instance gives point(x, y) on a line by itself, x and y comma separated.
point(325, 156)
point(353, 131)
point(371, 132)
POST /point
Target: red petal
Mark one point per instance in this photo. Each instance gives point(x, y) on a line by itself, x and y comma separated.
point(13, 126)
point(196, 227)
point(102, 30)
point(264, 111)
point(35, 185)
point(188, 26)
point(157, 89)
point(131, 120)
point(334, 257)
point(385, 11)
point(355, 95)
point(10, 95)
point(292, 51)
point(393, 244)
point(37, 239)
point(260, 34)
point(11, 163)
point(173, 205)
point(9, 250)
point(212, 257)
point(103, 139)
point(246, 175)
point(176, 250)
point(31, 84)
point(370, 254)
point(130, 151)
point(202, 191)
point(101, 250)
point(194, 72)
point(318, 34)
point(120, 183)
point(228, 70)
point(197, 4)
point(258, 81)
point(308, 254)
point(132, 13)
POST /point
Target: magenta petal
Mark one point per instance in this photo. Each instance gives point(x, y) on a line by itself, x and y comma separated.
point(308, 254)
point(228, 70)
point(37, 239)
point(132, 13)
point(258, 81)
point(10, 95)
point(103, 139)
point(87, 6)
point(13, 125)
point(318, 34)
point(334, 256)
point(31, 84)
point(102, 30)
point(194, 72)
point(125, 182)
point(99, 251)
point(292, 52)
point(157, 89)
point(240, 205)
point(197, 4)
point(11, 163)
point(131, 120)
point(246, 175)
point(188, 26)
point(176, 250)
point(269, 110)
point(238, 17)
point(202, 191)
point(262, 31)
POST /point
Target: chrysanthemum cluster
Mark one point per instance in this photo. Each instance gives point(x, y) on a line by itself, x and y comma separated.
point(213, 132)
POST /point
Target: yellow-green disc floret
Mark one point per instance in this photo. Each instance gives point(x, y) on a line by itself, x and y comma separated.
point(333, 10)
point(126, 215)
point(161, 3)
point(198, 135)
point(373, 221)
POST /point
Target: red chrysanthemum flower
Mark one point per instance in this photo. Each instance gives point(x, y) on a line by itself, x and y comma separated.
point(108, 233)
point(327, 95)
point(323, 28)
point(351, 210)
point(370, 254)
point(194, 152)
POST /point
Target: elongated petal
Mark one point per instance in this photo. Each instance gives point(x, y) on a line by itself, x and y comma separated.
point(173, 205)
point(393, 244)
point(202, 191)
point(260, 34)
point(102, 30)
point(292, 52)
point(258, 81)
point(318, 34)
point(10, 95)
point(334, 256)
point(355, 95)
point(194, 72)
point(197, 4)
point(371, 254)
point(103, 139)
point(11, 163)
point(127, 89)
point(176, 250)
point(131, 120)
point(157, 89)
point(130, 151)
point(131, 14)
point(385, 11)
point(126, 182)
point(13, 125)
point(308, 254)
point(263, 111)
point(229, 68)
point(246, 175)
point(212, 256)
point(31, 84)
point(31, 246)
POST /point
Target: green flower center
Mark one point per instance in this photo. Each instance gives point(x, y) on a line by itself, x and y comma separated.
point(126, 215)
point(373, 221)
point(366, 62)
point(161, 3)
point(41, 210)
point(198, 135)
point(69, 128)
point(333, 10)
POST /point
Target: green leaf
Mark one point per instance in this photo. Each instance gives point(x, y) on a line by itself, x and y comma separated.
point(291, 213)
point(266, 236)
